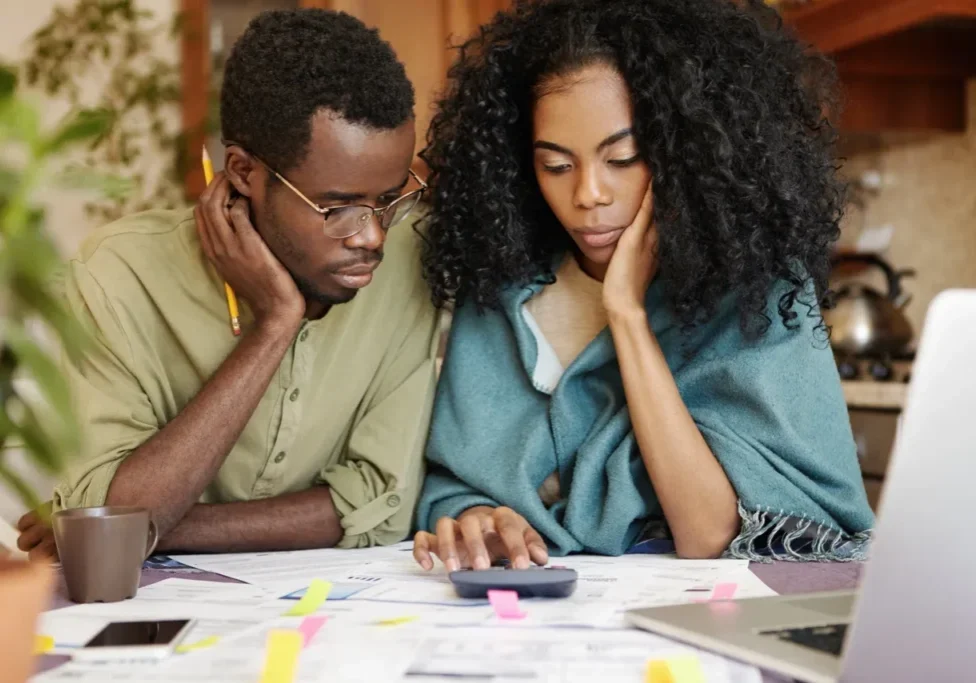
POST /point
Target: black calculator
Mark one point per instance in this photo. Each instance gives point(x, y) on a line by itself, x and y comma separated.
point(534, 582)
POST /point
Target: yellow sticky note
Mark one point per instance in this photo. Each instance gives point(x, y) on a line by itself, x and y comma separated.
point(281, 659)
point(316, 593)
point(202, 644)
point(684, 669)
point(658, 672)
point(396, 621)
point(43, 644)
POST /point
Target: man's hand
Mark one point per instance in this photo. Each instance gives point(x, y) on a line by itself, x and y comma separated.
point(478, 537)
point(36, 538)
point(242, 258)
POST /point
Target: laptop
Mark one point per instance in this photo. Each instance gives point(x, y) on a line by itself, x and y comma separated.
point(913, 617)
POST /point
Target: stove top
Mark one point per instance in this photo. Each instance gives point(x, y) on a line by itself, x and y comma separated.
point(891, 369)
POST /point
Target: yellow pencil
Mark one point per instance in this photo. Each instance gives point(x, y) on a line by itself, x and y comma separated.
point(235, 317)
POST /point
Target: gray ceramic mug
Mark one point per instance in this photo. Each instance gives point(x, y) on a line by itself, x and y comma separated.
point(102, 550)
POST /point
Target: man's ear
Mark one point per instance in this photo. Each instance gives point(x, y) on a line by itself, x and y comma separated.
point(241, 170)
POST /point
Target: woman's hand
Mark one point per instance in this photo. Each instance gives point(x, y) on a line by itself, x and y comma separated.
point(478, 537)
point(634, 263)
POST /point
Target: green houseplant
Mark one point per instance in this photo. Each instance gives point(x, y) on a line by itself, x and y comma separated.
point(35, 408)
point(106, 53)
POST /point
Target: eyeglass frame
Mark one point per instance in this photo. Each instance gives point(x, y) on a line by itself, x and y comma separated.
point(324, 212)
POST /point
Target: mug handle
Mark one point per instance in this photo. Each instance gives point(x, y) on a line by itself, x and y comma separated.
point(153, 538)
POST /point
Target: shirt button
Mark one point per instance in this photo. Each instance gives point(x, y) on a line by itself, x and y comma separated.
point(280, 457)
point(393, 501)
point(294, 396)
point(303, 336)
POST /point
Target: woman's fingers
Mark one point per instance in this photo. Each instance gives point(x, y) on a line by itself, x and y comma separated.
point(474, 541)
point(538, 551)
point(642, 221)
point(511, 527)
point(447, 532)
point(423, 544)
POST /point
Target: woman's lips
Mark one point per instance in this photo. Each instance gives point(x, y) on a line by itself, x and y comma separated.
point(597, 239)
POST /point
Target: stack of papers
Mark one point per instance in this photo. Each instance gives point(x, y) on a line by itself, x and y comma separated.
point(386, 619)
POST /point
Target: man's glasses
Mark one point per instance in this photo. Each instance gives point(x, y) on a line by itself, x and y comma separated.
point(341, 222)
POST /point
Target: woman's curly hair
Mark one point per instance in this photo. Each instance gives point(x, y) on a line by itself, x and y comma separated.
point(729, 114)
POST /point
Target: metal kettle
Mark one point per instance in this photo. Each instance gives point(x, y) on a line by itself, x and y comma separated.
point(865, 322)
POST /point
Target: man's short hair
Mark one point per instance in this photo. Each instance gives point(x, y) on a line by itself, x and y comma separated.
point(289, 64)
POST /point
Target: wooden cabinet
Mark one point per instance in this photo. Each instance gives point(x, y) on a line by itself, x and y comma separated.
point(903, 64)
point(420, 32)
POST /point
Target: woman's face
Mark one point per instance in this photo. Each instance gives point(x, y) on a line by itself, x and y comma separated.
point(586, 160)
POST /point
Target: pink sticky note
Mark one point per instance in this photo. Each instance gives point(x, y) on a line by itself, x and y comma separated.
point(506, 604)
point(724, 591)
point(310, 626)
point(721, 591)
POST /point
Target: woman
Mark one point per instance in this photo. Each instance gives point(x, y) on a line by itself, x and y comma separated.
point(633, 208)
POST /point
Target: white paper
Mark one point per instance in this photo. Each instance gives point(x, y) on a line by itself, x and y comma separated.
point(189, 590)
point(69, 631)
point(296, 566)
point(337, 653)
point(558, 656)
point(445, 635)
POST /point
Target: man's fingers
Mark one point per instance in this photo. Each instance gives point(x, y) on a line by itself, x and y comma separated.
point(240, 219)
point(537, 547)
point(422, 544)
point(474, 541)
point(32, 537)
point(510, 528)
point(447, 543)
point(28, 520)
point(215, 214)
point(203, 232)
point(209, 189)
point(47, 551)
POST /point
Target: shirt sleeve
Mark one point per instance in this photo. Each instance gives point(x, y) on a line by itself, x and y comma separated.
point(115, 413)
point(376, 484)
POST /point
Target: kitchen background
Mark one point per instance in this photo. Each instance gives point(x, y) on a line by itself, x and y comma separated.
point(908, 141)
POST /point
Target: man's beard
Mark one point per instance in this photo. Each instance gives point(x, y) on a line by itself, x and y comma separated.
point(311, 293)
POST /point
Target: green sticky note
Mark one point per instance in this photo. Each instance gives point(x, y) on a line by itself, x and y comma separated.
point(209, 641)
point(316, 593)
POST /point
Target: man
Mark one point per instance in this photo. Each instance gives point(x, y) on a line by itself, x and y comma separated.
point(307, 430)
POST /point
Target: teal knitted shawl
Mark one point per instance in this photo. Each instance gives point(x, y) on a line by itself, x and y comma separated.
point(771, 410)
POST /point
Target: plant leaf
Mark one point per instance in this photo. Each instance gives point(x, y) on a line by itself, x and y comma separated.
point(16, 484)
point(83, 125)
point(109, 185)
point(39, 366)
point(8, 81)
point(20, 119)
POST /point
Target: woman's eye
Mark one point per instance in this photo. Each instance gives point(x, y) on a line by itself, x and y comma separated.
point(387, 200)
point(623, 163)
point(558, 168)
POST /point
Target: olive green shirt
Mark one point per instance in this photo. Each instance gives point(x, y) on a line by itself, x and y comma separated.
point(348, 407)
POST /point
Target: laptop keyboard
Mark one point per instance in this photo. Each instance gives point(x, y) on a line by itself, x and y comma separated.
point(828, 638)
